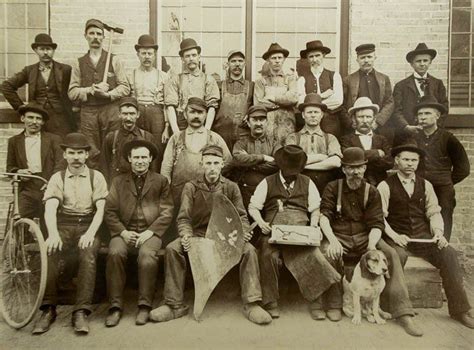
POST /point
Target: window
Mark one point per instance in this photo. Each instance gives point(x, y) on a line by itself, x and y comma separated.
point(20, 22)
point(461, 61)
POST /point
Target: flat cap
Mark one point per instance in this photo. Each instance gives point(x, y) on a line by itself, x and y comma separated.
point(128, 101)
point(365, 48)
point(213, 150)
point(94, 23)
point(233, 53)
point(257, 111)
point(197, 103)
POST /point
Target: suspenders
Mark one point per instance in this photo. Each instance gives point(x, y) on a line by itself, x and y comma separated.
point(339, 196)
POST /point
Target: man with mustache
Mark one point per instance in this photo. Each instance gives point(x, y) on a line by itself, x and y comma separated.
point(193, 220)
point(325, 83)
point(411, 210)
point(376, 147)
point(367, 82)
point(192, 82)
point(48, 82)
point(446, 162)
point(147, 85)
point(74, 208)
point(98, 100)
point(352, 222)
point(236, 98)
point(111, 161)
point(276, 91)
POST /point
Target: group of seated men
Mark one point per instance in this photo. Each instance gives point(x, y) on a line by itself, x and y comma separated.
point(123, 168)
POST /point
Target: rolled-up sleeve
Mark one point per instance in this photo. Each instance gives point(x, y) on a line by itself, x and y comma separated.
point(54, 189)
point(334, 148)
point(100, 187)
point(314, 199)
point(384, 192)
point(257, 201)
point(212, 94)
point(433, 210)
point(123, 86)
point(336, 99)
point(171, 97)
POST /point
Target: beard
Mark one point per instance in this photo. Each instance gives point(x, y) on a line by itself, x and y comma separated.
point(354, 182)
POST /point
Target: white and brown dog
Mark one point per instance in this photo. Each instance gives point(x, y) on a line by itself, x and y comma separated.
point(362, 294)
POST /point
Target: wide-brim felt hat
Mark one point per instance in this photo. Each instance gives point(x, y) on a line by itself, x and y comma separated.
point(363, 103)
point(429, 101)
point(291, 159)
point(188, 44)
point(75, 140)
point(275, 48)
point(313, 99)
point(421, 49)
point(34, 107)
point(315, 45)
point(353, 156)
point(43, 39)
point(146, 41)
point(410, 147)
point(127, 148)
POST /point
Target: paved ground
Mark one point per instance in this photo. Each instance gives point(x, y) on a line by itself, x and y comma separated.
point(224, 327)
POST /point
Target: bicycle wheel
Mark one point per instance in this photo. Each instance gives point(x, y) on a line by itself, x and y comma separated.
point(22, 273)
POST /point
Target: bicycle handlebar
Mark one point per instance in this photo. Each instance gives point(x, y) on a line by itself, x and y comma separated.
point(16, 175)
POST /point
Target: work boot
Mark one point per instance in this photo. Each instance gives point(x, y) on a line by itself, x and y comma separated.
point(167, 313)
point(80, 322)
point(257, 314)
point(142, 315)
point(409, 325)
point(113, 318)
point(465, 318)
point(334, 315)
point(48, 316)
point(272, 309)
point(316, 310)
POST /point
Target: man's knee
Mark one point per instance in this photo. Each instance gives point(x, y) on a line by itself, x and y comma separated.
point(174, 248)
point(117, 250)
point(147, 257)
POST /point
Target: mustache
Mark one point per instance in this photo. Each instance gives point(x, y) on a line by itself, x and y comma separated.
point(95, 41)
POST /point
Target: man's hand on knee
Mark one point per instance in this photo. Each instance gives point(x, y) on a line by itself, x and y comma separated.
point(130, 237)
point(143, 237)
point(54, 243)
point(186, 242)
point(86, 240)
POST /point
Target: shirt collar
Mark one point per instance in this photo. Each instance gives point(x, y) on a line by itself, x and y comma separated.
point(202, 180)
point(241, 80)
point(38, 135)
point(196, 73)
point(135, 131)
point(283, 181)
point(84, 173)
point(280, 73)
point(141, 176)
point(44, 67)
point(416, 75)
point(316, 131)
point(142, 69)
point(190, 131)
point(372, 72)
point(405, 180)
point(361, 134)
point(318, 70)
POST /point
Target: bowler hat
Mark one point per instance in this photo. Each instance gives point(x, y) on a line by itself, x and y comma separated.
point(43, 39)
point(353, 156)
point(315, 45)
point(213, 150)
point(312, 99)
point(197, 103)
point(410, 147)
point(128, 101)
point(34, 107)
point(94, 23)
point(75, 140)
point(257, 111)
point(429, 101)
point(365, 49)
point(127, 148)
point(233, 53)
point(275, 48)
point(146, 41)
point(421, 49)
point(188, 44)
point(363, 103)
point(291, 159)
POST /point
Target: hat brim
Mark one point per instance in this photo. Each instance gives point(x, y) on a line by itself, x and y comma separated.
point(139, 143)
point(410, 148)
point(432, 52)
point(181, 52)
point(238, 53)
point(290, 165)
point(52, 45)
point(64, 146)
point(23, 109)
point(434, 105)
point(325, 50)
point(267, 54)
point(138, 47)
point(323, 107)
point(362, 162)
point(373, 107)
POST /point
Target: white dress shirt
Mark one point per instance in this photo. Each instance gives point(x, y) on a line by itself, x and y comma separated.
point(365, 140)
point(33, 152)
point(333, 101)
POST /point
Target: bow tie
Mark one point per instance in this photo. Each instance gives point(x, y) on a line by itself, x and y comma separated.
point(44, 68)
point(423, 83)
point(199, 131)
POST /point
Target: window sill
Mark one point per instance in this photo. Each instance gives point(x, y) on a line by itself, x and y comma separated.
point(459, 121)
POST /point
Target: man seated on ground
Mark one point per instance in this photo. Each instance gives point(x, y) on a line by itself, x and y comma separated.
point(376, 147)
point(352, 223)
point(411, 210)
point(138, 211)
point(193, 219)
point(288, 198)
point(74, 209)
point(323, 149)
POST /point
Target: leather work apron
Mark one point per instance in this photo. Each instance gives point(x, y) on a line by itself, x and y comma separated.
point(231, 113)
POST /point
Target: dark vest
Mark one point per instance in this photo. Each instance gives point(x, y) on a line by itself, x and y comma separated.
point(93, 75)
point(407, 216)
point(296, 202)
point(47, 93)
point(326, 81)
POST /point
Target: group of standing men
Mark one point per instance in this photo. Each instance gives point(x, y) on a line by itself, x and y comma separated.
point(156, 147)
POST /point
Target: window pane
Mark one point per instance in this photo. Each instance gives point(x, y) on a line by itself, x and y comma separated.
point(459, 95)
point(461, 3)
point(459, 70)
point(36, 16)
point(459, 45)
point(461, 20)
point(17, 40)
point(16, 16)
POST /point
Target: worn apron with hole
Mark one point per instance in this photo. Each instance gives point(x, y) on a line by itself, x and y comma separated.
point(281, 121)
point(231, 113)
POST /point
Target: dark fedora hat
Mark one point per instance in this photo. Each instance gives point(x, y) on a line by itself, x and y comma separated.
point(421, 49)
point(188, 44)
point(76, 140)
point(34, 107)
point(127, 148)
point(429, 101)
point(146, 41)
point(312, 99)
point(197, 103)
point(315, 45)
point(275, 48)
point(291, 159)
point(353, 156)
point(410, 147)
point(43, 39)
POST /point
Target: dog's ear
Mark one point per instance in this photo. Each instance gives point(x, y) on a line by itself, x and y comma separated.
point(384, 259)
point(364, 269)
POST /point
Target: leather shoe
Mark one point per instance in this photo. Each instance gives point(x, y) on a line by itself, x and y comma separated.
point(334, 315)
point(48, 316)
point(113, 318)
point(80, 322)
point(272, 309)
point(465, 318)
point(256, 314)
point(167, 313)
point(318, 315)
point(409, 325)
point(142, 315)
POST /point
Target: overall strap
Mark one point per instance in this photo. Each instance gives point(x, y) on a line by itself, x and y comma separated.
point(366, 194)
point(114, 142)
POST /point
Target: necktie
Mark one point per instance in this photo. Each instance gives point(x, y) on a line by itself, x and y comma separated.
point(423, 83)
point(288, 188)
